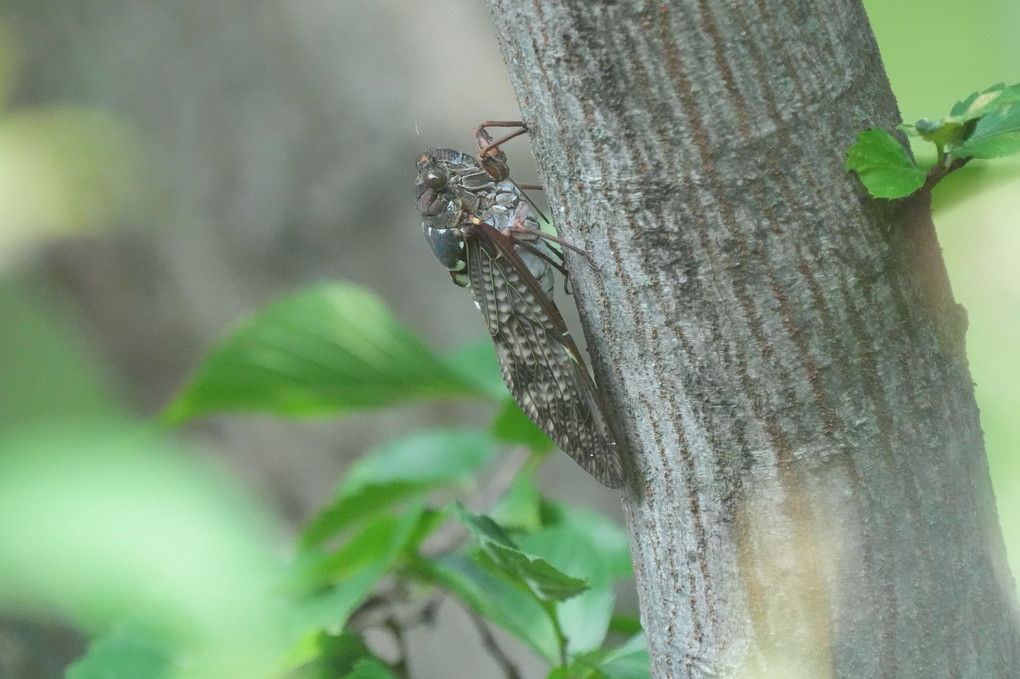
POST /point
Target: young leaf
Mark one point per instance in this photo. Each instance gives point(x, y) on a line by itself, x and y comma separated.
point(883, 165)
point(944, 133)
point(324, 350)
point(981, 103)
point(984, 125)
point(586, 544)
point(516, 611)
point(505, 559)
point(996, 134)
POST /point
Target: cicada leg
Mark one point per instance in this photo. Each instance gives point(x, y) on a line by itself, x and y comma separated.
point(487, 147)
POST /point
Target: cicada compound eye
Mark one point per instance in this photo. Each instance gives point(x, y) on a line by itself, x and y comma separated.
point(434, 178)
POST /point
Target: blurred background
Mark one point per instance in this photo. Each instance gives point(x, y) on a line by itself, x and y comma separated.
point(167, 168)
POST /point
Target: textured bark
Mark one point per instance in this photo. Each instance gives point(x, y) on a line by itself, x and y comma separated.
point(808, 492)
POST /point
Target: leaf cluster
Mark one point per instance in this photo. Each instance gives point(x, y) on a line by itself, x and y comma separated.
point(982, 126)
point(397, 541)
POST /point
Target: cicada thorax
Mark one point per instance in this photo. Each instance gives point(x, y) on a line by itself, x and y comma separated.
point(455, 191)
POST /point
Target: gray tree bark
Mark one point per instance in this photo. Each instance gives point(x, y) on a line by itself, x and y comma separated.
point(808, 492)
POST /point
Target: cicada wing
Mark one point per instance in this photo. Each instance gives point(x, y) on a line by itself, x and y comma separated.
point(540, 362)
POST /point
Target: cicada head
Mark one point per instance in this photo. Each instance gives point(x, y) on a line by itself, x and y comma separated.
point(442, 210)
point(432, 188)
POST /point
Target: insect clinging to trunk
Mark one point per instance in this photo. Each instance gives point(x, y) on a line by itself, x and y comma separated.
point(479, 225)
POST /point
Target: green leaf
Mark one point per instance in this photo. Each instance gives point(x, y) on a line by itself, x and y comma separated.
point(370, 668)
point(981, 103)
point(354, 507)
point(513, 426)
point(943, 133)
point(883, 165)
point(108, 525)
point(476, 364)
point(320, 654)
point(483, 529)
point(380, 541)
point(47, 366)
point(433, 458)
point(516, 611)
point(630, 661)
point(984, 125)
point(397, 471)
point(328, 349)
point(996, 134)
point(368, 503)
point(523, 570)
point(124, 653)
point(588, 545)
point(520, 507)
point(625, 624)
point(955, 128)
point(344, 577)
point(582, 542)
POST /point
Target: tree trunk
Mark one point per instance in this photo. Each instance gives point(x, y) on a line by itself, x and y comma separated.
point(808, 493)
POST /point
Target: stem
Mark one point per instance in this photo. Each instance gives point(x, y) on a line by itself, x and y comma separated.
point(561, 640)
point(502, 659)
point(939, 171)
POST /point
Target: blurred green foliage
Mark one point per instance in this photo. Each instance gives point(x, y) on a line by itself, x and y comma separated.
point(337, 348)
point(173, 571)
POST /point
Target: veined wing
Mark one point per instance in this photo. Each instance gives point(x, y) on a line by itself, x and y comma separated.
point(540, 362)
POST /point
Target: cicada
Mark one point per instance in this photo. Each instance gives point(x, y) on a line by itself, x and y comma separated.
point(479, 224)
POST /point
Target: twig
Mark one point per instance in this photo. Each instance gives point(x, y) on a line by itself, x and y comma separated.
point(510, 670)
